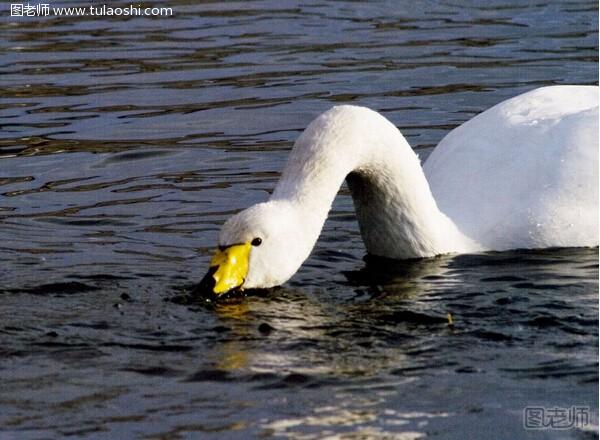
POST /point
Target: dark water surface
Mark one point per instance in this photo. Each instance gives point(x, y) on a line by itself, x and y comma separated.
point(126, 143)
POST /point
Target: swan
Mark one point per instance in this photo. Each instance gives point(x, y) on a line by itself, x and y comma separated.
point(522, 174)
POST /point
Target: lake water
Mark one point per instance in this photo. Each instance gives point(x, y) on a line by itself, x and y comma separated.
point(126, 143)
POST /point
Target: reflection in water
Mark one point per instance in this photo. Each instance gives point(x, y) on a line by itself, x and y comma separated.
point(126, 142)
point(402, 279)
point(320, 335)
point(231, 354)
point(327, 421)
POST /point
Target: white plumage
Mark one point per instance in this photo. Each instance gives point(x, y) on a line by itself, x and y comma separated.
point(523, 174)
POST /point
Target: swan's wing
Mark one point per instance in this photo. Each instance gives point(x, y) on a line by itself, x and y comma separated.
point(525, 172)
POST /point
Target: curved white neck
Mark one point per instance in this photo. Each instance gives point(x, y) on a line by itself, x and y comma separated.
point(396, 211)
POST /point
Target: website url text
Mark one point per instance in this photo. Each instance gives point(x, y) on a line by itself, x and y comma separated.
point(44, 9)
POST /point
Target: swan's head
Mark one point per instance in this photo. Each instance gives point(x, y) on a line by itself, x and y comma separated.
point(260, 247)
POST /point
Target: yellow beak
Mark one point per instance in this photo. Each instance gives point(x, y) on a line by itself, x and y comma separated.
point(231, 266)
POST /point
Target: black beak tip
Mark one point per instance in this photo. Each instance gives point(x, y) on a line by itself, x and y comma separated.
point(205, 288)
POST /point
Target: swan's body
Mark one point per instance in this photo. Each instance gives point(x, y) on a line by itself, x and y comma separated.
point(523, 174)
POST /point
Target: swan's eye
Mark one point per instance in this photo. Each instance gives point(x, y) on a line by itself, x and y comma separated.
point(256, 242)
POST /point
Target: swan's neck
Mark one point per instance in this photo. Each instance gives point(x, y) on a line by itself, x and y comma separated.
point(397, 214)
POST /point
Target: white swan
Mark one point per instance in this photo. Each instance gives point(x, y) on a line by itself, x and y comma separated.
point(523, 174)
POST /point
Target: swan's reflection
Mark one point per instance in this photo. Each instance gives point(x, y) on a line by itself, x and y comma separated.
point(352, 355)
point(290, 330)
point(231, 354)
point(260, 326)
point(402, 279)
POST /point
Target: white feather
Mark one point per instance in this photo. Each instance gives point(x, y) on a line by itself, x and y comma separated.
point(523, 174)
